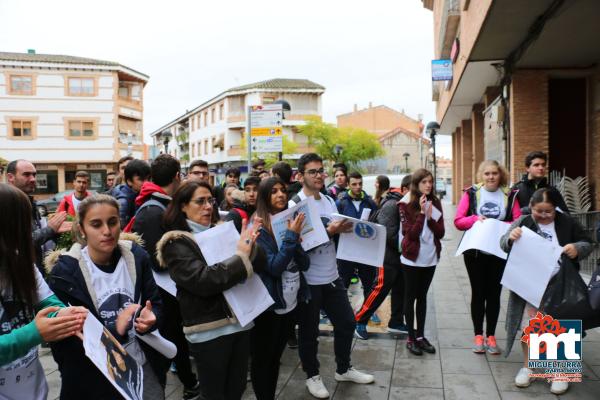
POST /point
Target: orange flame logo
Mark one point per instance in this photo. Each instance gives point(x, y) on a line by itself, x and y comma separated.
point(541, 324)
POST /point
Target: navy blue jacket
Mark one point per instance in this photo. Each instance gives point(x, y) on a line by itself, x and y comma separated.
point(346, 207)
point(80, 378)
point(278, 260)
point(125, 196)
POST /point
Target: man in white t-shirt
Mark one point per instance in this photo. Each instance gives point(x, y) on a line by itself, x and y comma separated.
point(327, 290)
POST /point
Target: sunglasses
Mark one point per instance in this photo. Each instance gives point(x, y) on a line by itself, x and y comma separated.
point(202, 201)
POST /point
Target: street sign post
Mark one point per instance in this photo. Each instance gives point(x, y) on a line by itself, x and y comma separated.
point(266, 130)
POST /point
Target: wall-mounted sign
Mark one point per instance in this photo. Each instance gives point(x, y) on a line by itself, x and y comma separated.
point(441, 70)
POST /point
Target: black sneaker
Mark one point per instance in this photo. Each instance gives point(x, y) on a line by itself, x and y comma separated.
point(414, 348)
point(192, 393)
point(424, 345)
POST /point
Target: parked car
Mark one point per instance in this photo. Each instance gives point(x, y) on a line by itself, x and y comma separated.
point(440, 188)
point(49, 205)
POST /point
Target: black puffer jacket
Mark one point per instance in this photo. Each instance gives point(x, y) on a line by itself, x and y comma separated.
point(527, 188)
point(200, 286)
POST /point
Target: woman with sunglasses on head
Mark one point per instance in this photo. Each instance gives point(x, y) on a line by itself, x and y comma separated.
point(421, 248)
point(491, 198)
point(30, 314)
point(285, 283)
point(112, 278)
point(219, 344)
point(563, 231)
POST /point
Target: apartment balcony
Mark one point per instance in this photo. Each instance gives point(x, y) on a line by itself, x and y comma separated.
point(449, 26)
point(234, 150)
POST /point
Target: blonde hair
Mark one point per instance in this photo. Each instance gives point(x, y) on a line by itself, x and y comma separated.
point(496, 164)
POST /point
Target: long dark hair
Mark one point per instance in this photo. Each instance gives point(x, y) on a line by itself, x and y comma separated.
point(263, 200)
point(415, 195)
point(174, 218)
point(384, 185)
point(16, 247)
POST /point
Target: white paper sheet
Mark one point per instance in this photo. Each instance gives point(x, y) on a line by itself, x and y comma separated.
point(530, 265)
point(164, 281)
point(313, 234)
point(121, 369)
point(219, 243)
point(364, 244)
point(248, 299)
point(485, 236)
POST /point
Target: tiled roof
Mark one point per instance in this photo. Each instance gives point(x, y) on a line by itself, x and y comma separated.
point(401, 130)
point(279, 83)
point(60, 59)
point(53, 58)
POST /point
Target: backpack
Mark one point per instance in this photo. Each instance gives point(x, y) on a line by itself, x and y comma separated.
point(151, 202)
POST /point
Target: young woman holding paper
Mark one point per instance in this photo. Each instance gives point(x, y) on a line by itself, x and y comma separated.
point(30, 314)
point(489, 199)
point(423, 229)
point(111, 277)
point(563, 231)
point(285, 283)
point(219, 344)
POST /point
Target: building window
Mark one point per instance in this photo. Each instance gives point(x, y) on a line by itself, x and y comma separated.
point(193, 123)
point(21, 84)
point(80, 129)
point(130, 91)
point(81, 86)
point(205, 118)
point(205, 146)
point(221, 111)
point(22, 129)
point(268, 100)
point(212, 115)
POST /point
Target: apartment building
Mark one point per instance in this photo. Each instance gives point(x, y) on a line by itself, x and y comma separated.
point(525, 77)
point(406, 149)
point(67, 113)
point(214, 130)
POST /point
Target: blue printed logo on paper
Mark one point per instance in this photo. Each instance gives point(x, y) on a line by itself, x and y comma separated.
point(365, 231)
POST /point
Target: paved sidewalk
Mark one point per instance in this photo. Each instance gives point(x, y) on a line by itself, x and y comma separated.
point(455, 372)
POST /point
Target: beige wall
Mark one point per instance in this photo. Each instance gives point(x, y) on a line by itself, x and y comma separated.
point(379, 120)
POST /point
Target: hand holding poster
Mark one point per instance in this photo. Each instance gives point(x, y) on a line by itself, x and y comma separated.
point(364, 244)
point(248, 299)
point(485, 236)
point(111, 358)
point(530, 265)
point(313, 234)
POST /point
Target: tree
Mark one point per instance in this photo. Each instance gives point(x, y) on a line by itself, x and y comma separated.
point(356, 144)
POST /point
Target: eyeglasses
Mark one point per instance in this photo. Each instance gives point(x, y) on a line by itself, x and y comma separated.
point(201, 173)
point(314, 172)
point(203, 201)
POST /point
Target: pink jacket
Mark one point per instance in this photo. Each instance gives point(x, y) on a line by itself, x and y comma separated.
point(466, 214)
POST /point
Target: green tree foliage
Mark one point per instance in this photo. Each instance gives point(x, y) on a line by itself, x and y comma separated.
point(356, 144)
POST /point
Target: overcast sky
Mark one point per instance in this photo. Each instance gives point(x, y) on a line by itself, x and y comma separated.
point(378, 51)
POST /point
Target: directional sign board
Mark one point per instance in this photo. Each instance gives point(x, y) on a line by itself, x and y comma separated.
point(266, 132)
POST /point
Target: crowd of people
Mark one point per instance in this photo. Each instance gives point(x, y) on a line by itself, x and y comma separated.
point(141, 230)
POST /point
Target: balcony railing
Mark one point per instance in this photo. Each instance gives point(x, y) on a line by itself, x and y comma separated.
point(449, 26)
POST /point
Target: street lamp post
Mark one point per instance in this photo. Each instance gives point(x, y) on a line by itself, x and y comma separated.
point(406, 155)
point(285, 106)
point(432, 129)
point(338, 151)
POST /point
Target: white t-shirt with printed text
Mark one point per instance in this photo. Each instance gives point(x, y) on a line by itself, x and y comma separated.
point(323, 265)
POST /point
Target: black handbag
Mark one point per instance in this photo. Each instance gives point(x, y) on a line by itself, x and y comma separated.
point(566, 296)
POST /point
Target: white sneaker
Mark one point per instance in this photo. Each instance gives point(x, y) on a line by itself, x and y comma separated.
point(522, 379)
point(316, 387)
point(354, 375)
point(559, 387)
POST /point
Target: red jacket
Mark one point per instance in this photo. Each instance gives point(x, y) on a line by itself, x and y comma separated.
point(66, 204)
point(412, 226)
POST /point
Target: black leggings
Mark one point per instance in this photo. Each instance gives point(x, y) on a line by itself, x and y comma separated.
point(416, 286)
point(485, 273)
